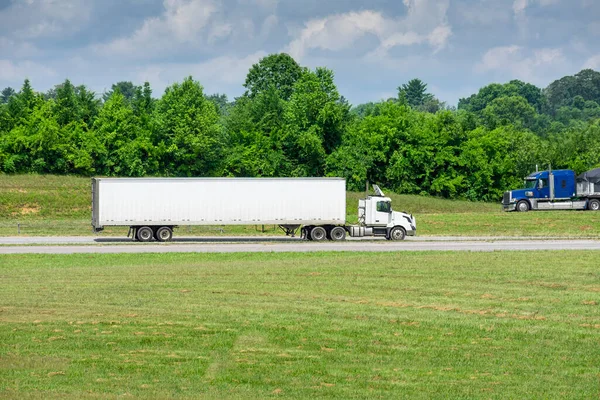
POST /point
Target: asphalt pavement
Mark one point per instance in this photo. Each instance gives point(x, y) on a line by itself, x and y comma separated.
point(278, 244)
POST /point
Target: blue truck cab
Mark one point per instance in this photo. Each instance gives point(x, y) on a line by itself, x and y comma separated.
point(544, 190)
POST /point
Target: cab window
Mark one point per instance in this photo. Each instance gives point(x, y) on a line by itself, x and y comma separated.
point(384, 206)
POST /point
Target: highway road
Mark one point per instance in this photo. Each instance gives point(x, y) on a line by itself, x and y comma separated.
point(107, 245)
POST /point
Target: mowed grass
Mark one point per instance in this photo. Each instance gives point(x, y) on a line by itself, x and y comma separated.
point(46, 205)
point(327, 325)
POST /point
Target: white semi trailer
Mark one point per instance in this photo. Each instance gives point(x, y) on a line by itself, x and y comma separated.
point(153, 207)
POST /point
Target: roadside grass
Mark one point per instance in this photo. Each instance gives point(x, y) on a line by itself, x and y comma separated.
point(47, 205)
point(326, 325)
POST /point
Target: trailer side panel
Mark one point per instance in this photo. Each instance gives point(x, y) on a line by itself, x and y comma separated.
point(219, 201)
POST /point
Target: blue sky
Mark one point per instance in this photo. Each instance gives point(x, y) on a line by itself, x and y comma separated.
point(456, 46)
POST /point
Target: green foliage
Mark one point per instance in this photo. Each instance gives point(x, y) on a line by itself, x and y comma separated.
point(6, 94)
point(279, 71)
point(186, 128)
point(415, 93)
point(563, 92)
point(126, 148)
point(292, 121)
point(127, 89)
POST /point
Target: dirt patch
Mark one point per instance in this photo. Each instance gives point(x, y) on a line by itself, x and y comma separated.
point(30, 210)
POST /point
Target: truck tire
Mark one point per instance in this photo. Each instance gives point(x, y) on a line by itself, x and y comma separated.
point(397, 233)
point(307, 231)
point(164, 234)
point(318, 233)
point(523, 206)
point(144, 234)
point(337, 234)
point(594, 205)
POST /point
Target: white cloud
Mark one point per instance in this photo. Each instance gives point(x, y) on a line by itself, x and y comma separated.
point(17, 71)
point(424, 23)
point(33, 19)
point(483, 12)
point(184, 21)
point(592, 63)
point(520, 6)
point(18, 50)
point(518, 62)
point(215, 74)
point(187, 26)
point(266, 4)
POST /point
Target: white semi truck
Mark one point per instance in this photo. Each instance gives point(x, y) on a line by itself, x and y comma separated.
point(153, 207)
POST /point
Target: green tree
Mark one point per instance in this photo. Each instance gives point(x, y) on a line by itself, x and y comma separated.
point(562, 92)
point(415, 93)
point(509, 110)
point(316, 118)
point(221, 102)
point(6, 94)
point(479, 101)
point(66, 107)
point(187, 131)
point(88, 105)
point(126, 88)
point(279, 71)
point(127, 150)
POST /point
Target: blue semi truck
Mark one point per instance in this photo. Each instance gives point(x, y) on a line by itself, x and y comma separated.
point(556, 190)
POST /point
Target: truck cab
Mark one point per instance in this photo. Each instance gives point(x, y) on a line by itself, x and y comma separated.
point(544, 190)
point(377, 218)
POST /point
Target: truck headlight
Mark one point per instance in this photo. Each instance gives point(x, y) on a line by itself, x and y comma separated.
point(529, 194)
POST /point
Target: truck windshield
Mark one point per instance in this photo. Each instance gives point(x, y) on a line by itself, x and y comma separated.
point(530, 183)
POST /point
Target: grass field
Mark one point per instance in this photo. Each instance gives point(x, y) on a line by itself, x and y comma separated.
point(57, 205)
point(328, 325)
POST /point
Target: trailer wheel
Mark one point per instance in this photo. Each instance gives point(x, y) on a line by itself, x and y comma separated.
point(144, 234)
point(337, 234)
point(318, 233)
point(594, 205)
point(523, 206)
point(397, 233)
point(164, 234)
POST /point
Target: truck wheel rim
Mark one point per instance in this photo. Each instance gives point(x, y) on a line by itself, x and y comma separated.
point(397, 234)
point(145, 234)
point(595, 205)
point(318, 234)
point(164, 234)
point(337, 234)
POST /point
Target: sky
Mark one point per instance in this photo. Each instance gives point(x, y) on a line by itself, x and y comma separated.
point(373, 46)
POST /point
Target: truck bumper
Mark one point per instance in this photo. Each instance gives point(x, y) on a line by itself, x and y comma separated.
point(509, 207)
point(411, 233)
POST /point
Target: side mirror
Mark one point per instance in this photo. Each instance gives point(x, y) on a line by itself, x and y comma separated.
point(540, 185)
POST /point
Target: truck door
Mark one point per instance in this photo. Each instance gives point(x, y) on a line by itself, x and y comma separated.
point(543, 189)
point(382, 213)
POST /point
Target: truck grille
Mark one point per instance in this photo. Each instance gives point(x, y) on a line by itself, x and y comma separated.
point(506, 198)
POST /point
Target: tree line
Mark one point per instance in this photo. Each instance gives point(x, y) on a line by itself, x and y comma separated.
point(292, 122)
